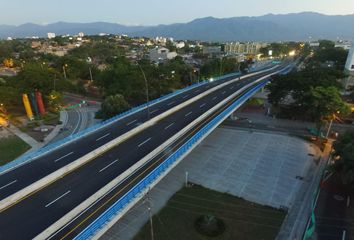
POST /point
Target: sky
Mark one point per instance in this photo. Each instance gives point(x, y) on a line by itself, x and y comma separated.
point(153, 12)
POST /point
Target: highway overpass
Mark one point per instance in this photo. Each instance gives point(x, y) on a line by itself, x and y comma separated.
point(62, 206)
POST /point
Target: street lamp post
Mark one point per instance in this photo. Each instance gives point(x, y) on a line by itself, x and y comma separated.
point(330, 124)
point(147, 91)
point(221, 65)
point(64, 70)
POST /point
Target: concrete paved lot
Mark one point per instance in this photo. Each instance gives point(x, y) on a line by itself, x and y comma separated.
point(259, 167)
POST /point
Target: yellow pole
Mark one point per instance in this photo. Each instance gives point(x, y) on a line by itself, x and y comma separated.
point(27, 106)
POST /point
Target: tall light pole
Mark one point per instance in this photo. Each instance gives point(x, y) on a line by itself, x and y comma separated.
point(90, 74)
point(221, 65)
point(64, 70)
point(330, 124)
point(147, 91)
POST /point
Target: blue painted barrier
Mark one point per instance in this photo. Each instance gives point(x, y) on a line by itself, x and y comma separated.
point(32, 155)
point(119, 205)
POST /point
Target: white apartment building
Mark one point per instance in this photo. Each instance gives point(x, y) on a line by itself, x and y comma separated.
point(349, 66)
point(51, 35)
point(244, 48)
point(159, 54)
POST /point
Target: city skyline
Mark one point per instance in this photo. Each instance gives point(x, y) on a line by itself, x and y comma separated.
point(157, 11)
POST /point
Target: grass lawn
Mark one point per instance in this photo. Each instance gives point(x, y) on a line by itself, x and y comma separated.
point(243, 220)
point(10, 148)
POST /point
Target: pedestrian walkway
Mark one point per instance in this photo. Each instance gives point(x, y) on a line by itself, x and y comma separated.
point(35, 145)
point(25, 137)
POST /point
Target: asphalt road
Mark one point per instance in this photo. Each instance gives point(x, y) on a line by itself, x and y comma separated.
point(17, 179)
point(38, 211)
point(334, 213)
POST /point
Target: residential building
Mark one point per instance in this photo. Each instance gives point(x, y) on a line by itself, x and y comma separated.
point(249, 48)
point(349, 67)
point(314, 44)
point(180, 45)
point(51, 35)
point(159, 54)
point(212, 50)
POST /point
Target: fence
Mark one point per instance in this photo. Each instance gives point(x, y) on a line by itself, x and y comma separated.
point(134, 192)
point(50, 147)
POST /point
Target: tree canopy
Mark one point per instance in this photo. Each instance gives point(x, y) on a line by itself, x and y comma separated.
point(344, 150)
point(312, 94)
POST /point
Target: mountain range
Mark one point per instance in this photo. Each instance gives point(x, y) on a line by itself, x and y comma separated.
point(271, 27)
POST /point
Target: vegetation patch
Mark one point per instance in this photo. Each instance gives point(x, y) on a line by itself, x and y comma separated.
point(200, 213)
point(10, 148)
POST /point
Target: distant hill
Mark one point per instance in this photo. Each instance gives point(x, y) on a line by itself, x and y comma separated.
point(294, 26)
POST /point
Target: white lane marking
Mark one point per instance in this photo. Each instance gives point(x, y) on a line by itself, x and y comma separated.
point(232, 87)
point(106, 135)
point(154, 111)
point(108, 165)
point(8, 184)
point(78, 122)
point(185, 96)
point(223, 92)
point(188, 114)
point(169, 104)
point(343, 236)
point(202, 105)
point(57, 160)
point(348, 200)
point(214, 98)
point(196, 91)
point(57, 198)
point(169, 126)
point(130, 123)
point(141, 144)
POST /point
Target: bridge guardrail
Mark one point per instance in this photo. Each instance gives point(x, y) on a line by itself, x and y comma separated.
point(119, 205)
point(32, 155)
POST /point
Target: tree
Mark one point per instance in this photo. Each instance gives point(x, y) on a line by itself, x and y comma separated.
point(296, 84)
point(344, 152)
point(113, 105)
point(322, 103)
point(312, 94)
point(326, 44)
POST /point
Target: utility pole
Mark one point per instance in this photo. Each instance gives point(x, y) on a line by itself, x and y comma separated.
point(90, 74)
point(221, 65)
point(64, 71)
point(147, 91)
point(54, 80)
point(150, 215)
point(186, 179)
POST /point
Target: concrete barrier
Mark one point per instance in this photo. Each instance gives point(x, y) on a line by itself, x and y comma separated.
point(73, 214)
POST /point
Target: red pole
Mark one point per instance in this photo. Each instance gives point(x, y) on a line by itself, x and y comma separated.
point(40, 102)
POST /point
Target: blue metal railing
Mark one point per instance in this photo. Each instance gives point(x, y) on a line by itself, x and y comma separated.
point(32, 155)
point(119, 205)
point(50, 147)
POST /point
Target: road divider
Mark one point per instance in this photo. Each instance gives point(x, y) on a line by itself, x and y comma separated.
point(60, 173)
point(106, 220)
point(54, 228)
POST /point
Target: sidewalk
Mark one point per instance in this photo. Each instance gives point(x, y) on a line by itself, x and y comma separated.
point(35, 145)
point(295, 223)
